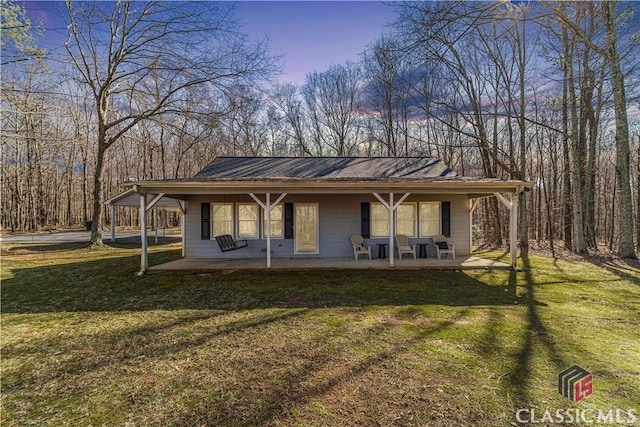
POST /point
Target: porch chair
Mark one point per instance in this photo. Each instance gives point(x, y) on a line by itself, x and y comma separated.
point(359, 248)
point(227, 243)
point(402, 243)
point(442, 247)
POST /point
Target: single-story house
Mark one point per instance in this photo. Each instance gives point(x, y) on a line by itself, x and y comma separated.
point(309, 207)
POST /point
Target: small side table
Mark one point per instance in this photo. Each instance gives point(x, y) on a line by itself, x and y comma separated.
point(422, 250)
point(382, 250)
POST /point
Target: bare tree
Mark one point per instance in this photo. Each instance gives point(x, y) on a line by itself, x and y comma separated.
point(334, 100)
point(625, 225)
point(455, 82)
point(386, 94)
point(285, 97)
point(447, 37)
point(610, 52)
point(637, 138)
point(244, 124)
point(116, 47)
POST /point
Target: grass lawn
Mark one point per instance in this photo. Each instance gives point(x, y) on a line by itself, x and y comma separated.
point(85, 342)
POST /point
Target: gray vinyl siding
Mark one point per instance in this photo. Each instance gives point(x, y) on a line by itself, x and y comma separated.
point(339, 218)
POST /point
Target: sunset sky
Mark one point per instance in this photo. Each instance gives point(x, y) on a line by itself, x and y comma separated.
point(311, 36)
point(315, 35)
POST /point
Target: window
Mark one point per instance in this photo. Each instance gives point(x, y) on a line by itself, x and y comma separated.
point(429, 218)
point(406, 219)
point(277, 223)
point(379, 220)
point(248, 214)
point(222, 218)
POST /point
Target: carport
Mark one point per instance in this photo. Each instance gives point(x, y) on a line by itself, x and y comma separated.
point(156, 203)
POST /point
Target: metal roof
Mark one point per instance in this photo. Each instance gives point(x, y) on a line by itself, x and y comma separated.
point(325, 169)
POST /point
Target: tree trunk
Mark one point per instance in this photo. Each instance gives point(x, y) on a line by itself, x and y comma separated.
point(566, 168)
point(96, 217)
point(612, 214)
point(626, 247)
point(523, 212)
point(638, 198)
point(577, 196)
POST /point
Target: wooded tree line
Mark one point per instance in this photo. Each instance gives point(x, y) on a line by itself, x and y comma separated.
point(545, 92)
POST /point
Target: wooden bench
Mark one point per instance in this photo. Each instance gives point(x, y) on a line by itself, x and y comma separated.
point(227, 243)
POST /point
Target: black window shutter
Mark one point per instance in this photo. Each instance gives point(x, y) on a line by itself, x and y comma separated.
point(288, 220)
point(364, 220)
point(446, 218)
point(205, 223)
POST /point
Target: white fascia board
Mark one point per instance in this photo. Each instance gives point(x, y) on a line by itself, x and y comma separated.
point(185, 188)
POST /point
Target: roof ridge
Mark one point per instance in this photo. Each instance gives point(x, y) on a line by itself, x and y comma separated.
point(325, 157)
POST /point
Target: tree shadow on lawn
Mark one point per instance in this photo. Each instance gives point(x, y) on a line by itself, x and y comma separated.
point(323, 373)
point(109, 284)
point(625, 269)
point(131, 242)
point(300, 371)
point(135, 240)
point(39, 248)
point(121, 345)
point(535, 335)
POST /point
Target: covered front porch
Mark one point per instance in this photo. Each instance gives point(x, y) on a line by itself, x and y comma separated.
point(344, 205)
point(302, 212)
point(338, 263)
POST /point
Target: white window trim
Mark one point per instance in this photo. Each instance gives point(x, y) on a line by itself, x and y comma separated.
point(264, 229)
point(439, 218)
point(233, 228)
point(237, 221)
point(415, 218)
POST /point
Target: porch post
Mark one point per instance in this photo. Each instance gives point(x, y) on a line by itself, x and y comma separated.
point(113, 223)
point(268, 207)
point(391, 207)
point(471, 209)
point(143, 234)
point(182, 230)
point(183, 208)
point(513, 230)
point(391, 230)
point(268, 212)
point(164, 223)
point(512, 206)
point(155, 223)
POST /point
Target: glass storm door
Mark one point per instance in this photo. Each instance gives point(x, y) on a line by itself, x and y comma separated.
point(306, 228)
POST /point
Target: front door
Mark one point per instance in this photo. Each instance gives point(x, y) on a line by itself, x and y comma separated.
point(306, 228)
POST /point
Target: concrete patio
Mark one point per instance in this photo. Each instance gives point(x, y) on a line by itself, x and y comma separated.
point(314, 263)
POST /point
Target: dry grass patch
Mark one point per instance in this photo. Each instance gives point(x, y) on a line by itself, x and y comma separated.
point(85, 342)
